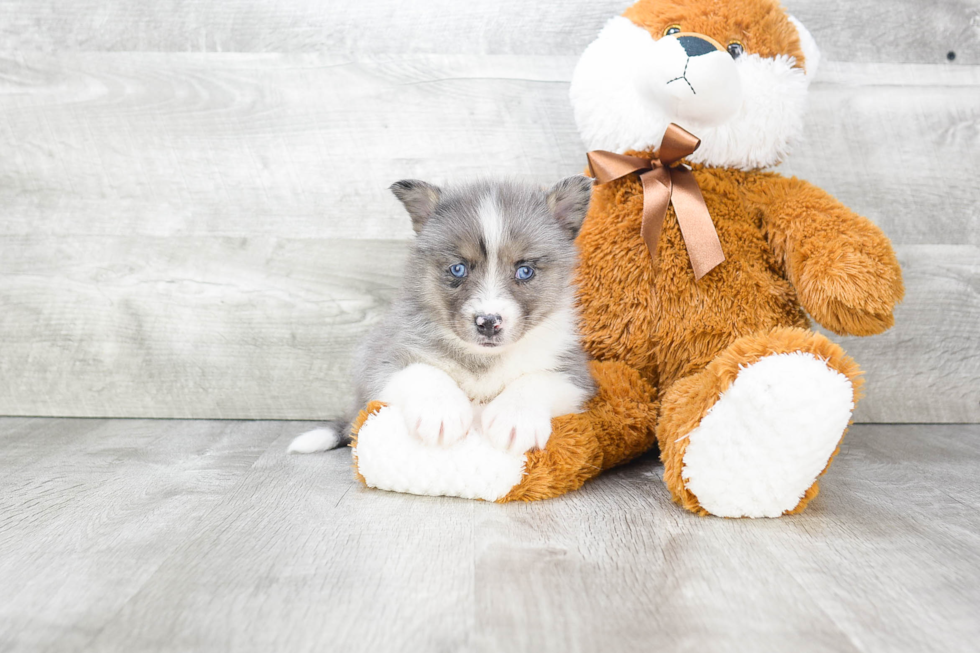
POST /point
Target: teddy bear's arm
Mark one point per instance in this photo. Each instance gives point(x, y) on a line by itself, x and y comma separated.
point(842, 265)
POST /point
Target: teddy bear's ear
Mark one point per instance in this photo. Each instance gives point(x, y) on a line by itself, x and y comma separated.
point(569, 202)
point(420, 199)
point(810, 50)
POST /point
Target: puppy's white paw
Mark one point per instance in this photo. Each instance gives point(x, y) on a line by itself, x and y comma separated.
point(511, 422)
point(438, 418)
point(434, 407)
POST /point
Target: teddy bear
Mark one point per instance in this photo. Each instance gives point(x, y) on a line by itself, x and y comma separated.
point(699, 271)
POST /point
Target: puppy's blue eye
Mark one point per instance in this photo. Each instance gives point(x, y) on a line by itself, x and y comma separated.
point(458, 270)
point(524, 273)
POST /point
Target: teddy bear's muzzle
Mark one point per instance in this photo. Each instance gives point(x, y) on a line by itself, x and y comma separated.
point(693, 78)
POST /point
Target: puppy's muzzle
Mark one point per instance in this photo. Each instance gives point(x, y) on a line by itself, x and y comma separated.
point(488, 325)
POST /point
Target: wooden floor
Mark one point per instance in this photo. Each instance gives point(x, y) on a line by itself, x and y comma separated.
point(120, 535)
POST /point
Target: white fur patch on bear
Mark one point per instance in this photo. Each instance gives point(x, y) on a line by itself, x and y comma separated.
point(389, 458)
point(613, 112)
point(768, 437)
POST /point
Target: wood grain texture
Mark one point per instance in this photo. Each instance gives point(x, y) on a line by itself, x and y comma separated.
point(263, 328)
point(286, 145)
point(224, 327)
point(897, 31)
point(899, 144)
point(90, 509)
point(926, 368)
point(177, 229)
point(126, 535)
point(305, 146)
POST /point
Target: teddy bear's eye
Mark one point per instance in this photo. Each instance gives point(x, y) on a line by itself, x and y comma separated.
point(673, 29)
point(736, 49)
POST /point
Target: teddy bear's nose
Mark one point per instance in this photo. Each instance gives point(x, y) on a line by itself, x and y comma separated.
point(695, 46)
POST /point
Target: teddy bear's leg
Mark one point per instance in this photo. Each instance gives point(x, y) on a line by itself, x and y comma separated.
point(749, 435)
point(617, 425)
point(388, 457)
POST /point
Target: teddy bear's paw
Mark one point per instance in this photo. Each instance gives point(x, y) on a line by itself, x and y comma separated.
point(513, 423)
point(851, 292)
point(767, 438)
point(848, 320)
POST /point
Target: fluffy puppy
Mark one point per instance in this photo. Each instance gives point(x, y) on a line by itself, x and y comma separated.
point(484, 333)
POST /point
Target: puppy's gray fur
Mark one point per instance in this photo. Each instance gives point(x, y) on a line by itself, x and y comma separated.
point(493, 228)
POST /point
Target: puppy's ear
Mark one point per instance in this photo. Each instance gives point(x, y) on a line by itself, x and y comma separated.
point(419, 198)
point(569, 202)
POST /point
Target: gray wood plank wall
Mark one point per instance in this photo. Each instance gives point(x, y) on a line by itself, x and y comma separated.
point(193, 214)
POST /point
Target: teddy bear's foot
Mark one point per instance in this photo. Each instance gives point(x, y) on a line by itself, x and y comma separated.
point(616, 426)
point(768, 436)
point(749, 435)
point(388, 457)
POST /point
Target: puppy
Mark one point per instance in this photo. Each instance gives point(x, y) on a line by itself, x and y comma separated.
point(484, 333)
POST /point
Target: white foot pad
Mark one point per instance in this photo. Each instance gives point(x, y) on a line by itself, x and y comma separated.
point(768, 437)
point(389, 458)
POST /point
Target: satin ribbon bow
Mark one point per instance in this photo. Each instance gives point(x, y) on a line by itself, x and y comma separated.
point(665, 183)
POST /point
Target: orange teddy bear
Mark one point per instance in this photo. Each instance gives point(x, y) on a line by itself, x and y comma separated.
point(706, 352)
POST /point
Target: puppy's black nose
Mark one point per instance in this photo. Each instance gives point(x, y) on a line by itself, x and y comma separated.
point(695, 46)
point(488, 325)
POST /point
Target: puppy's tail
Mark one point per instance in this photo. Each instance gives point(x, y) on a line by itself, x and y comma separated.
point(324, 438)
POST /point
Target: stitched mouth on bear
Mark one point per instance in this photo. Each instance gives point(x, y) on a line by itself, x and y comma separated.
point(694, 45)
point(683, 77)
point(692, 78)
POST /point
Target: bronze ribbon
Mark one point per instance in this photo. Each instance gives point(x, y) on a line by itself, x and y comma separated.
point(665, 183)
